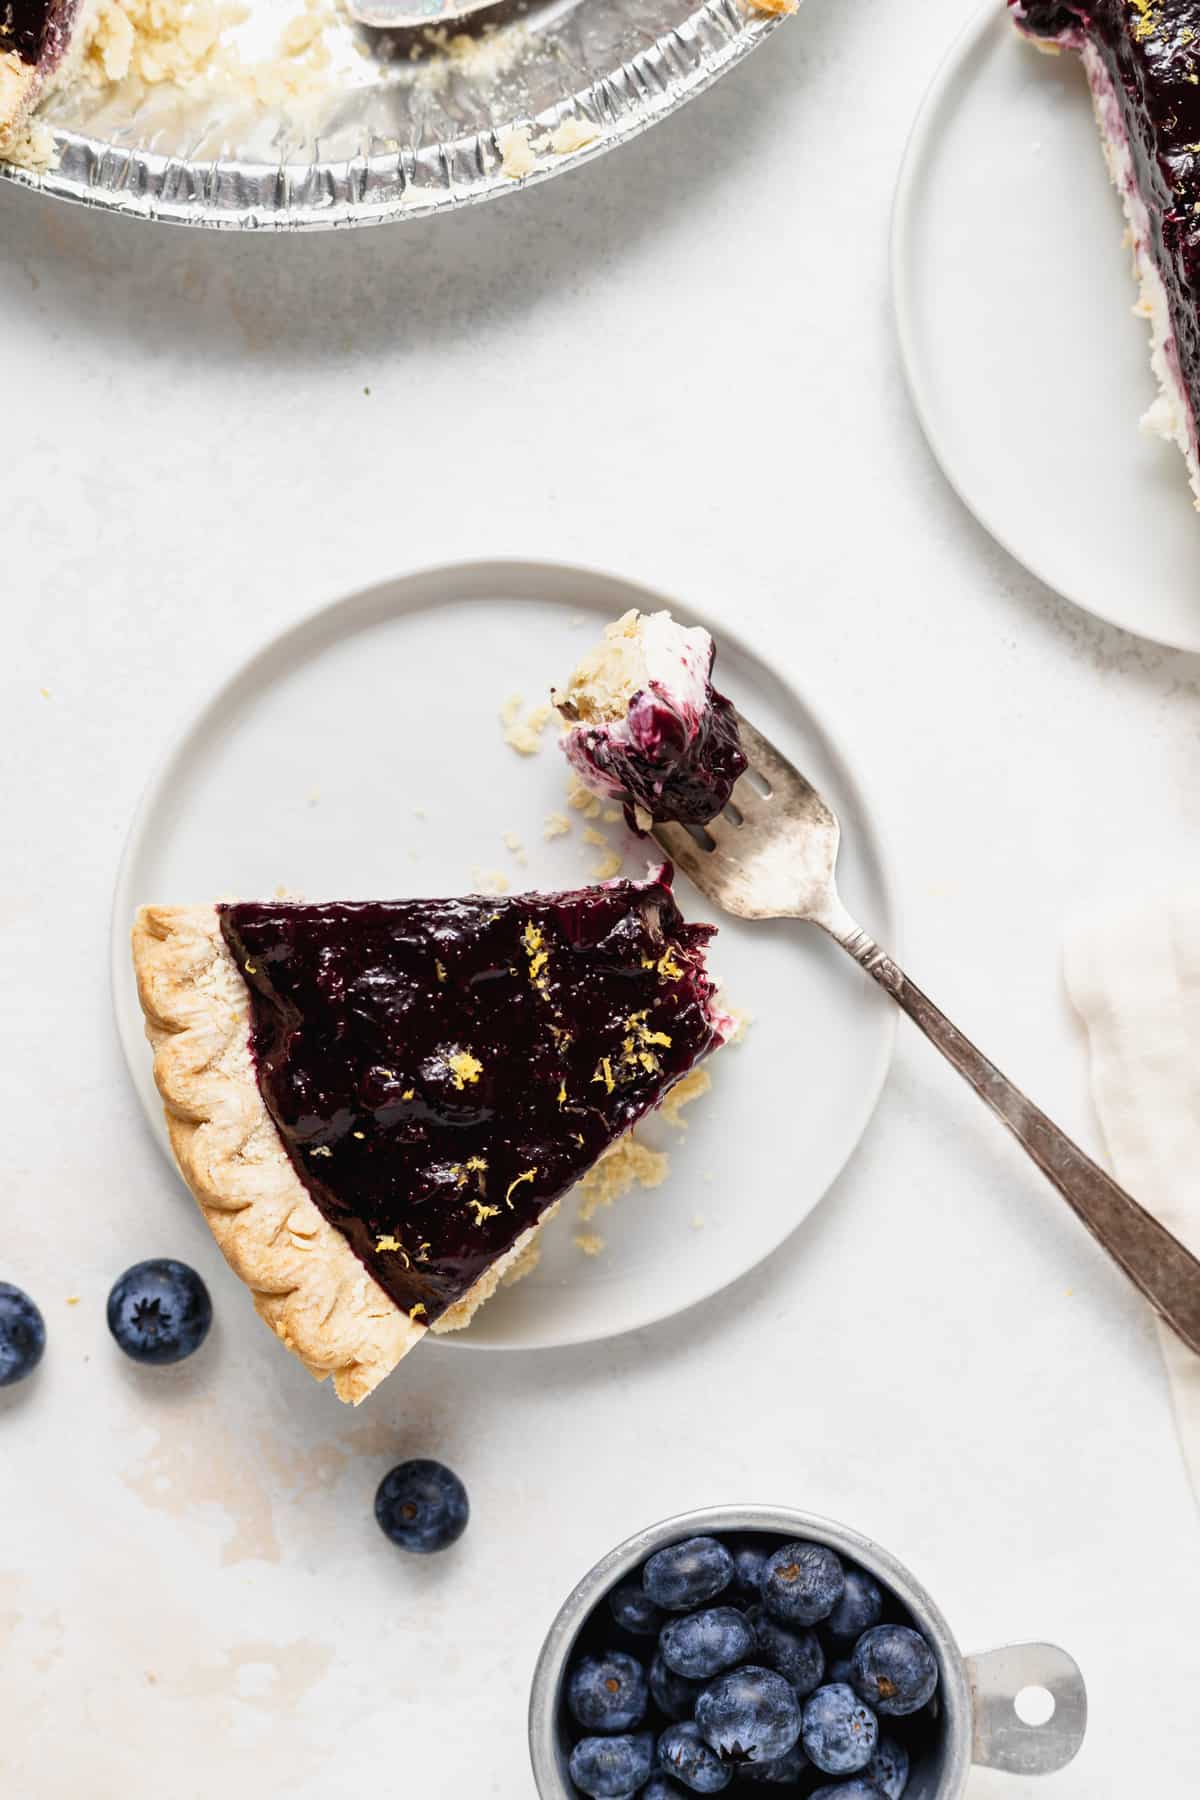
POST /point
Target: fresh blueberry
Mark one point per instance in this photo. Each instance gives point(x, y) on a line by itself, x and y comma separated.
point(22, 1335)
point(608, 1693)
point(659, 1788)
point(858, 1789)
point(840, 1733)
point(749, 1715)
point(840, 1669)
point(895, 1671)
point(796, 1655)
point(785, 1769)
point(888, 1768)
point(159, 1311)
point(748, 1565)
point(671, 1693)
point(683, 1752)
point(688, 1574)
point(422, 1506)
point(704, 1643)
point(860, 1607)
point(634, 1611)
point(802, 1583)
point(612, 1768)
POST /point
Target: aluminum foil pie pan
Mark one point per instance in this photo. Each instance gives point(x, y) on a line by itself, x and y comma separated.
point(395, 128)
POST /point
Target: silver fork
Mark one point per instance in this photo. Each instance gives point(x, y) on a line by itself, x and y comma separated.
point(773, 854)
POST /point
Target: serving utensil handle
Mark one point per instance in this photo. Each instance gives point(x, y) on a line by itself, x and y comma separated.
point(1153, 1258)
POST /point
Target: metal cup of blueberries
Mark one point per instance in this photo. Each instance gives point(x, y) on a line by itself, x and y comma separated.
point(752, 1647)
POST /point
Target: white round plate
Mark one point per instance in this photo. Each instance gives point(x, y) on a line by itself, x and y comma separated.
point(1027, 367)
point(361, 755)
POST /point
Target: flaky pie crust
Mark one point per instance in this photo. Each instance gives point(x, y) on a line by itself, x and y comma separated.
point(306, 1282)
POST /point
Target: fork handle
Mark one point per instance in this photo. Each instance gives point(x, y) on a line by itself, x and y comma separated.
point(1154, 1260)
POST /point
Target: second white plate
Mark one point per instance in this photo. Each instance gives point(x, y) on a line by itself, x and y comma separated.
point(361, 754)
point(1027, 367)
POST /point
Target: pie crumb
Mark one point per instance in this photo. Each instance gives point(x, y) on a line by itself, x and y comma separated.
point(592, 836)
point(742, 1022)
point(525, 735)
point(626, 1164)
point(489, 881)
point(513, 844)
point(590, 1242)
point(696, 1082)
point(607, 867)
point(557, 825)
point(32, 148)
point(582, 799)
point(780, 8)
point(571, 135)
point(518, 156)
point(73, 1299)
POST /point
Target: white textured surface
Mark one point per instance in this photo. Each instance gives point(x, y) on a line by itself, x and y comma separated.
point(940, 1356)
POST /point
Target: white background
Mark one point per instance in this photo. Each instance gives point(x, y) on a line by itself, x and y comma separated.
point(677, 362)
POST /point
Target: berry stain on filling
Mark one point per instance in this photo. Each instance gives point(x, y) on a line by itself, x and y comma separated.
point(441, 1071)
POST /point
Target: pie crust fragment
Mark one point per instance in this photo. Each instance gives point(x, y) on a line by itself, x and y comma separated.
point(364, 1202)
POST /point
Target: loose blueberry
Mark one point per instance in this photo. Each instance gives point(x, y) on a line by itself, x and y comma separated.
point(612, 1768)
point(422, 1506)
point(888, 1768)
point(688, 1574)
point(840, 1733)
point(704, 1643)
point(749, 1715)
point(795, 1654)
point(748, 1565)
point(608, 1693)
point(159, 1311)
point(672, 1694)
point(22, 1335)
point(785, 1770)
point(895, 1671)
point(683, 1751)
point(858, 1789)
point(634, 1611)
point(802, 1583)
point(659, 1788)
point(860, 1607)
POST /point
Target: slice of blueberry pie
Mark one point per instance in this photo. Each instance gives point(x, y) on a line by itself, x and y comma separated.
point(377, 1105)
point(1142, 61)
point(645, 725)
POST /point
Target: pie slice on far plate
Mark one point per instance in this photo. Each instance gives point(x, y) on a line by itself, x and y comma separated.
point(378, 1105)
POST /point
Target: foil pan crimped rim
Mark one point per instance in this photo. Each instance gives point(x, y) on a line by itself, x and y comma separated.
point(224, 194)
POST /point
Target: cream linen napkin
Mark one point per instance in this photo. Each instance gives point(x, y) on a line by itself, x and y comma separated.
point(1133, 972)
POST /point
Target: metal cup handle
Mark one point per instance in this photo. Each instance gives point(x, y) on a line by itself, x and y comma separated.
point(1003, 1740)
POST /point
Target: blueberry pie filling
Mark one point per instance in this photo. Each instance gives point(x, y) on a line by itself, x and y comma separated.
point(1142, 60)
point(646, 727)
